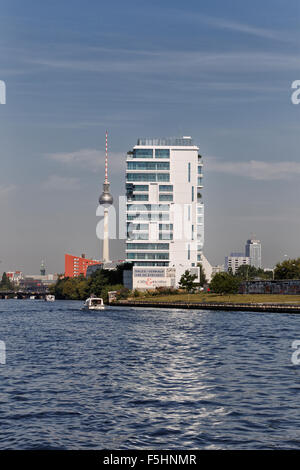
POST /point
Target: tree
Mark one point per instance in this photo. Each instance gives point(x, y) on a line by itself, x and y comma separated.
point(99, 283)
point(225, 283)
point(248, 272)
point(203, 279)
point(187, 281)
point(5, 283)
point(288, 269)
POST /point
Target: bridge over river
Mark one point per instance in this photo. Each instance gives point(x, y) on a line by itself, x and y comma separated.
point(24, 294)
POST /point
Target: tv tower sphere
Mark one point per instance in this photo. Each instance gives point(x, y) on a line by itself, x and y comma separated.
point(106, 198)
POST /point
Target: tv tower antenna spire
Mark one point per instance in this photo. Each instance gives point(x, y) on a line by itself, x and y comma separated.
point(106, 158)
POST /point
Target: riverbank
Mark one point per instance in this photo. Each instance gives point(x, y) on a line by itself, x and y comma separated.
point(255, 303)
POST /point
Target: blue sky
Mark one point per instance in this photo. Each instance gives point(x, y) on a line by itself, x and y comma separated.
point(220, 71)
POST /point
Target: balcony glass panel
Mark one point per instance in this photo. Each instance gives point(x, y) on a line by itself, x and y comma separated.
point(162, 153)
point(142, 153)
point(166, 197)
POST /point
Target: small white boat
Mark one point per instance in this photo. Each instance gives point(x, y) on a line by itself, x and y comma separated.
point(50, 298)
point(32, 297)
point(94, 303)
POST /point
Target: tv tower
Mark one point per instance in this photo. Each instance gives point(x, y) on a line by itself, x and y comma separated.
point(106, 200)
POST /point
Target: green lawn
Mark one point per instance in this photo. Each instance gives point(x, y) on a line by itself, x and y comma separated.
point(236, 298)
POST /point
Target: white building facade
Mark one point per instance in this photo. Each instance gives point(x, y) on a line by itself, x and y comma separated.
point(234, 261)
point(165, 212)
point(253, 251)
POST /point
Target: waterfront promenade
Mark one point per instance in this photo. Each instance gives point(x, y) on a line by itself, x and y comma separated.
point(227, 306)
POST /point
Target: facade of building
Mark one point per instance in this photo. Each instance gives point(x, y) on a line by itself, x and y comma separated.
point(253, 251)
point(15, 276)
point(219, 268)
point(165, 212)
point(76, 265)
point(235, 260)
point(210, 270)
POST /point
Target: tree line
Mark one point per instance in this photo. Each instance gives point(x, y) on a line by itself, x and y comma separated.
point(99, 284)
point(103, 280)
point(229, 283)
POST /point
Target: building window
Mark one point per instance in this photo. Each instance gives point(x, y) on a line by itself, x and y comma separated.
point(163, 165)
point(148, 177)
point(141, 177)
point(166, 197)
point(154, 255)
point(147, 246)
point(151, 263)
point(153, 217)
point(140, 197)
point(165, 226)
point(199, 181)
point(138, 236)
point(163, 177)
point(165, 188)
point(141, 166)
point(147, 207)
point(141, 187)
point(189, 252)
point(189, 172)
point(142, 153)
point(162, 153)
point(192, 193)
point(133, 226)
point(148, 165)
point(165, 236)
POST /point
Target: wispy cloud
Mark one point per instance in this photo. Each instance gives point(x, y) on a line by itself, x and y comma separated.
point(89, 159)
point(167, 62)
point(232, 25)
point(222, 23)
point(61, 183)
point(255, 169)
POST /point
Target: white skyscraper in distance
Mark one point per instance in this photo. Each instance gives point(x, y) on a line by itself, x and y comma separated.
point(165, 212)
point(253, 251)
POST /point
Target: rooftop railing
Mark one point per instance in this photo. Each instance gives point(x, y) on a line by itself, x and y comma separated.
point(167, 141)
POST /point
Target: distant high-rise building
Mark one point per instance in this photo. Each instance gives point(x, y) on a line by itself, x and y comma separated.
point(43, 269)
point(76, 265)
point(253, 251)
point(163, 180)
point(235, 260)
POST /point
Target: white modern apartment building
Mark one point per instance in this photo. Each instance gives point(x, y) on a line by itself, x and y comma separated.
point(165, 212)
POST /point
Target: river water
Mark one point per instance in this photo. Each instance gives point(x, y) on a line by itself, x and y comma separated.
point(135, 378)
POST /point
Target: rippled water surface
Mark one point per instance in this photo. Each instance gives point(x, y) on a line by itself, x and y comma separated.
point(144, 378)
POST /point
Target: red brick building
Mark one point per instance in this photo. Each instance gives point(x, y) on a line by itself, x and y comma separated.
point(76, 265)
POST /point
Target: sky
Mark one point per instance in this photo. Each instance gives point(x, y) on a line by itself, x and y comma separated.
point(220, 71)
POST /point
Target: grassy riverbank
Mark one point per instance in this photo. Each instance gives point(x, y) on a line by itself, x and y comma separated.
point(231, 298)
